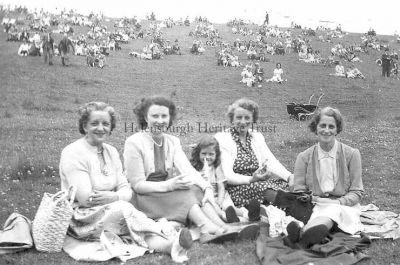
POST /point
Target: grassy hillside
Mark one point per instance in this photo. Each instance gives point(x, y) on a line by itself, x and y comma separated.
point(38, 117)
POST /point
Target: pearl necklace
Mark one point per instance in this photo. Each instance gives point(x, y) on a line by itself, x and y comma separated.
point(103, 170)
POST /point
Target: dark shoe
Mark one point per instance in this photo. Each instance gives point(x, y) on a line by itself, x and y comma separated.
point(254, 211)
point(288, 243)
point(185, 238)
point(218, 239)
point(249, 232)
point(314, 235)
point(231, 216)
point(293, 230)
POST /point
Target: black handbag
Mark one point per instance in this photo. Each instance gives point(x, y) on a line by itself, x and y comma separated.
point(158, 176)
point(296, 204)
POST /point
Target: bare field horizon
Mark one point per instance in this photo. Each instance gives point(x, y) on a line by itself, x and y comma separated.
point(38, 118)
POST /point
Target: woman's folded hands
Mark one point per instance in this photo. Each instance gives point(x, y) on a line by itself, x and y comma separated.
point(181, 182)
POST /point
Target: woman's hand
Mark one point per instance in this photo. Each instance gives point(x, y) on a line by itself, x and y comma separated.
point(325, 200)
point(260, 174)
point(97, 198)
point(291, 180)
point(180, 182)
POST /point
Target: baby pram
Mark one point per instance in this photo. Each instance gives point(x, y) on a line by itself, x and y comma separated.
point(302, 112)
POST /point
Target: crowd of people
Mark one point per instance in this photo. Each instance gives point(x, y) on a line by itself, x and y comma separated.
point(222, 187)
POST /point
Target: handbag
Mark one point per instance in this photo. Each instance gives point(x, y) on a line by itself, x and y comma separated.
point(52, 219)
point(158, 176)
point(296, 204)
point(16, 234)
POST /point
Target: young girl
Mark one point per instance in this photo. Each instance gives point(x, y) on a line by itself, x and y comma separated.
point(206, 159)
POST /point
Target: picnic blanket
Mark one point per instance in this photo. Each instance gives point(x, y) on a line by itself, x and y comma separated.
point(340, 248)
point(380, 224)
point(110, 246)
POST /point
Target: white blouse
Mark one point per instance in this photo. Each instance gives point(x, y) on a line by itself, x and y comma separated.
point(327, 168)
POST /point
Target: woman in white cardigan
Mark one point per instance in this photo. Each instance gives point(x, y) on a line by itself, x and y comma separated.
point(164, 182)
point(252, 171)
point(103, 192)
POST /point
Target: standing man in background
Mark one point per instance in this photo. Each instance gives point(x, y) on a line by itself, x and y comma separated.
point(386, 62)
point(266, 21)
point(48, 49)
point(64, 49)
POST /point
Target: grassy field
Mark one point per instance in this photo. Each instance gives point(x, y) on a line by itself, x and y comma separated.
point(38, 117)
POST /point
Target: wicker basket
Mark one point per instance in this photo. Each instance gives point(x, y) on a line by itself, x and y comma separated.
point(52, 219)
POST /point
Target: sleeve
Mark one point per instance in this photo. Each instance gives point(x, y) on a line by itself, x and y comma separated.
point(183, 165)
point(219, 176)
point(123, 189)
point(227, 163)
point(133, 162)
point(274, 166)
point(76, 173)
point(356, 189)
point(300, 173)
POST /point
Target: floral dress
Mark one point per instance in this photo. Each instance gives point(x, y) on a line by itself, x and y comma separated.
point(245, 164)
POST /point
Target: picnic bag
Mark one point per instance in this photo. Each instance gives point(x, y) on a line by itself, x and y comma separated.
point(52, 219)
point(16, 234)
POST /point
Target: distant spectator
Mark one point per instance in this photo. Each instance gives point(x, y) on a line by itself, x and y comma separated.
point(278, 73)
point(266, 18)
point(48, 48)
point(64, 48)
point(386, 62)
point(24, 49)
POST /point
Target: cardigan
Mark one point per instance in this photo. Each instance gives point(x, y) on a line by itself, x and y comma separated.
point(229, 154)
point(80, 166)
point(348, 188)
point(139, 159)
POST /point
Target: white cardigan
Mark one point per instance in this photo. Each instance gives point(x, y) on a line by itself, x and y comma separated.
point(258, 145)
point(139, 159)
point(80, 166)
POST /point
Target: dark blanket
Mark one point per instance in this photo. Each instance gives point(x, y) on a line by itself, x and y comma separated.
point(340, 248)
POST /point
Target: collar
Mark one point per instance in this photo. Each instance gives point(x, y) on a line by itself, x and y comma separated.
point(90, 147)
point(235, 134)
point(331, 153)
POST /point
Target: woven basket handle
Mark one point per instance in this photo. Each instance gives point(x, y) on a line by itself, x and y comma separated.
point(68, 195)
point(58, 196)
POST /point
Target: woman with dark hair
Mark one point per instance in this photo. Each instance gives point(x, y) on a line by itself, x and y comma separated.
point(103, 192)
point(164, 182)
point(331, 170)
point(252, 171)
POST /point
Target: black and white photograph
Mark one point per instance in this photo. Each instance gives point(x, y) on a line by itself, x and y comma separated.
point(199, 132)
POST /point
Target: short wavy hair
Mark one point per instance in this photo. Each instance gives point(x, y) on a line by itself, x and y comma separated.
point(246, 104)
point(85, 111)
point(327, 111)
point(142, 108)
point(205, 141)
